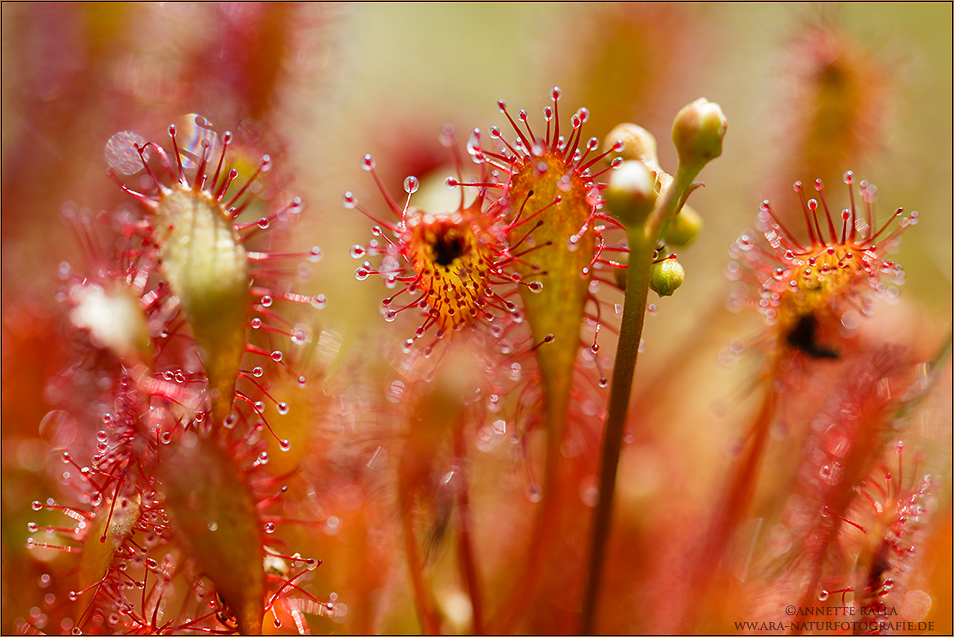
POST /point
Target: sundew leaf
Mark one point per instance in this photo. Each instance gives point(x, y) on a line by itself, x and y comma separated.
point(555, 313)
point(213, 509)
point(111, 526)
point(207, 269)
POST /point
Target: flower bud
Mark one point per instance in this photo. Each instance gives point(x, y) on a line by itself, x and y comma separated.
point(698, 132)
point(631, 193)
point(684, 229)
point(666, 276)
point(638, 144)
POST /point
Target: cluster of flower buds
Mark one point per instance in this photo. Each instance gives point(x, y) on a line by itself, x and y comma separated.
point(639, 184)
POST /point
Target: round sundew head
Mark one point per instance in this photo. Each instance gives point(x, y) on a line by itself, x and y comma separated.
point(446, 264)
point(807, 285)
point(452, 265)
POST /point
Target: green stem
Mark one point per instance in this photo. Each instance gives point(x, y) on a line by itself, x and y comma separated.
point(642, 243)
point(634, 310)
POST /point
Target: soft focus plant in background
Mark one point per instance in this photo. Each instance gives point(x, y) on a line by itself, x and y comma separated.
point(201, 403)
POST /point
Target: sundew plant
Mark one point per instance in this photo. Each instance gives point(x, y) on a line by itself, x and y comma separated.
point(476, 318)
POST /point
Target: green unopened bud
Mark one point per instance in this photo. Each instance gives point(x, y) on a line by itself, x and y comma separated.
point(684, 229)
point(666, 276)
point(631, 193)
point(698, 132)
point(637, 144)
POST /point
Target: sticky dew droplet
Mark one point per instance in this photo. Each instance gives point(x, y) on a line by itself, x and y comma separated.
point(300, 335)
